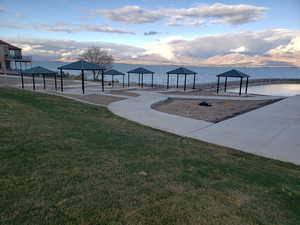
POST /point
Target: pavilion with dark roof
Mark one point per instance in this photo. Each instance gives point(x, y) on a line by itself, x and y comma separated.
point(82, 66)
point(38, 71)
point(140, 71)
point(113, 73)
point(181, 71)
point(233, 74)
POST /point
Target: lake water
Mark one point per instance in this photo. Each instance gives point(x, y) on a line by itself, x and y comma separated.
point(205, 74)
point(273, 89)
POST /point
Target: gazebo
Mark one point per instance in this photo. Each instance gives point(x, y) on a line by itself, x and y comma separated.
point(140, 71)
point(233, 74)
point(181, 71)
point(82, 66)
point(113, 73)
point(38, 71)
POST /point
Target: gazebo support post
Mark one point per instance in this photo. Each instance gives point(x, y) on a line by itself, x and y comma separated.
point(152, 80)
point(225, 84)
point(194, 81)
point(142, 80)
point(177, 80)
point(241, 83)
point(246, 90)
point(168, 81)
point(22, 79)
point(112, 80)
point(102, 78)
point(82, 81)
point(44, 81)
point(128, 77)
point(123, 81)
point(33, 82)
point(218, 85)
point(61, 81)
point(55, 82)
point(184, 82)
point(139, 80)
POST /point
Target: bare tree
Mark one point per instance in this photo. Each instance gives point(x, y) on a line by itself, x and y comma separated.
point(98, 56)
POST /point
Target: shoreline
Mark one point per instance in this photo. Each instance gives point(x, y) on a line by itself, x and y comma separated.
point(199, 86)
point(253, 82)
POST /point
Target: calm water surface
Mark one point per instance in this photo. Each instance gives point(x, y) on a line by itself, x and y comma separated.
point(274, 89)
point(205, 74)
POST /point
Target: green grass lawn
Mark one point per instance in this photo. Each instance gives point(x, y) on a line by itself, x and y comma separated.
point(63, 162)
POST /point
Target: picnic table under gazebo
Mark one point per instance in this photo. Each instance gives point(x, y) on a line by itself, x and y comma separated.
point(82, 66)
point(38, 70)
point(233, 74)
point(181, 71)
point(113, 73)
point(140, 71)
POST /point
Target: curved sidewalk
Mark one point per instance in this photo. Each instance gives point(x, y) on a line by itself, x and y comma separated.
point(139, 109)
point(271, 131)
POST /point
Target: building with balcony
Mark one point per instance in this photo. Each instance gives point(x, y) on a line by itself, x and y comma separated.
point(11, 59)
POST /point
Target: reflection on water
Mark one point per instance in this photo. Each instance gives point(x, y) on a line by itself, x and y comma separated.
point(274, 89)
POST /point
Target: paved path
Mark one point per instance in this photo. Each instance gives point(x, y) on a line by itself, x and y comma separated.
point(139, 110)
point(272, 131)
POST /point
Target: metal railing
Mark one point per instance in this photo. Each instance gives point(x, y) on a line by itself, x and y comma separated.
point(20, 57)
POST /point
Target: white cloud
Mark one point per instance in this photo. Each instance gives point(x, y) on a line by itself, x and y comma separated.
point(215, 13)
point(239, 50)
point(266, 47)
point(130, 14)
point(185, 22)
point(234, 48)
point(66, 50)
point(71, 28)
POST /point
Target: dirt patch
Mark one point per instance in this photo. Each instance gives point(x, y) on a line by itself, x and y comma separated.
point(199, 93)
point(218, 111)
point(97, 99)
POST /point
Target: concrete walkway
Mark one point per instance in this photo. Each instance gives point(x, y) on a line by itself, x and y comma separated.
point(272, 131)
point(139, 109)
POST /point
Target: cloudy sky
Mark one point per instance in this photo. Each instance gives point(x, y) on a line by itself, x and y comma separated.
point(245, 33)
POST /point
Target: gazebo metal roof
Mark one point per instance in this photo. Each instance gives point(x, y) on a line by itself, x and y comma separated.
point(39, 70)
point(141, 70)
point(81, 65)
point(181, 70)
point(113, 72)
point(233, 73)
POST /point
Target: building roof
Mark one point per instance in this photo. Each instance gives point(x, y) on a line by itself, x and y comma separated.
point(140, 70)
point(39, 70)
point(80, 65)
point(9, 45)
point(113, 72)
point(181, 70)
point(233, 73)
